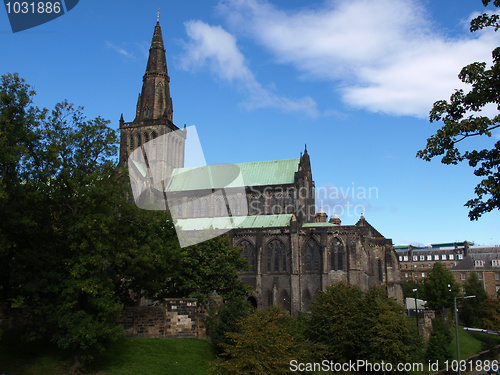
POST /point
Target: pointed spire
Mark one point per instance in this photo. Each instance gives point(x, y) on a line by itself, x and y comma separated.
point(154, 101)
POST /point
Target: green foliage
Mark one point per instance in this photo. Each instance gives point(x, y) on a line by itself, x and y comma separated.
point(409, 285)
point(462, 119)
point(207, 267)
point(227, 320)
point(351, 324)
point(490, 314)
point(438, 346)
point(337, 321)
point(437, 287)
point(470, 308)
point(391, 336)
point(268, 341)
point(72, 247)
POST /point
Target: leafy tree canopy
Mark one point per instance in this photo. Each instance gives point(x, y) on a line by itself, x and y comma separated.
point(438, 346)
point(470, 308)
point(490, 314)
point(267, 343)
point(352, 324)
point(462, 119)
point(440, 288)
point(72, 247)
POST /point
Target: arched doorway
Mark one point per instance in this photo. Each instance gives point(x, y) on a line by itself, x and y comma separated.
point(252, 301)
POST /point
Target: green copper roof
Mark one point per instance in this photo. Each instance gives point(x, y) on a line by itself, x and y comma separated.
point(265, 173)
point(316, 225)
point(256, 221)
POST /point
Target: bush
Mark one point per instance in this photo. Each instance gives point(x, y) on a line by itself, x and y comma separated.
point(269, 340)
point(351, 324)
point(438, 347)
point(227, 320)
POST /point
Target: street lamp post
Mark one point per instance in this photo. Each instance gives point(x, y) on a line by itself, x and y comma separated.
point(456, 328)
point(416, 308)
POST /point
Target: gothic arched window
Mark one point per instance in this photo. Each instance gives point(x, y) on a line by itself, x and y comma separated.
point(285, 300)
point(146, 137)
point(313, 261)
point(233, 206)
point(380, 271)
point(154, 135)
point(219, 208)
point(290, 203)
point(337, 255)
point(307, 299)
point(276, 256)
point(198, 209)
point(131, 142)
point(249, 254)
point(138, 140)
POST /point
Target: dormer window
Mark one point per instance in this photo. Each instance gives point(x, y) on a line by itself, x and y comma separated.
point(479, 263)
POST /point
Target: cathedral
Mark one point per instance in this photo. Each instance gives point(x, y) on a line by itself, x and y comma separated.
point(292, 249)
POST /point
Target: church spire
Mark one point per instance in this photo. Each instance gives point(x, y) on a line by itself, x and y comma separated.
point(154, 101)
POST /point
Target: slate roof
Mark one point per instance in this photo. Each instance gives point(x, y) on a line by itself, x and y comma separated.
point(468, 263)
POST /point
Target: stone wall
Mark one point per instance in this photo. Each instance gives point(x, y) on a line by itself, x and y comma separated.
point(175, 318)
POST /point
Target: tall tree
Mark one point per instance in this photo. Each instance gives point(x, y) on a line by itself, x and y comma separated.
point(351, 324)
point(463, 119)
point(490, 314)
point(440, 288)
point(19, 137)
point(470, 308)
point(391, 337)
point(72, 247)
point(227, 320)
point(438, 346)
point(266, 345)
point(207, 267)
point(337, 320)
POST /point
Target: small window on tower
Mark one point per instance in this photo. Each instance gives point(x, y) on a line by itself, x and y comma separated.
point(147, 112)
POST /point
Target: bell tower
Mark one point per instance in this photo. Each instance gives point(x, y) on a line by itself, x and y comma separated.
point(154, 111)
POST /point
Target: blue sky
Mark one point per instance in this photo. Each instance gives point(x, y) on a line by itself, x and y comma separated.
point(352, 79)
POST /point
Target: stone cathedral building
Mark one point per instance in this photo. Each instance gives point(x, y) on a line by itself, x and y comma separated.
point(292, 250)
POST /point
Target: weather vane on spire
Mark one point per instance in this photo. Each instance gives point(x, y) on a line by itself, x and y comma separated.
point(158, 15)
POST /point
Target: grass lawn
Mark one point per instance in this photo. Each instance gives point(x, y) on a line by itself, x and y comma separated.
point(470, 342)
point(149, 356)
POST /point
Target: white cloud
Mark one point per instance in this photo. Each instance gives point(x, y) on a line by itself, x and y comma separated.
point(120, 50)
point(384, 56)
point(215, 47)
